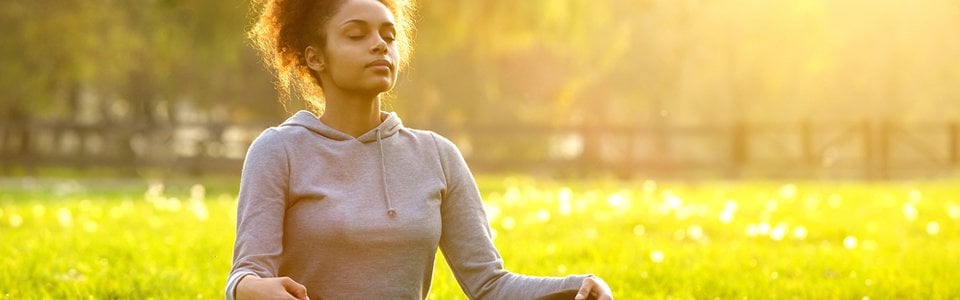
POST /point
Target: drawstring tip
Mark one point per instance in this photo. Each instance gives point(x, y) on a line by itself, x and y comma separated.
point(392, 212)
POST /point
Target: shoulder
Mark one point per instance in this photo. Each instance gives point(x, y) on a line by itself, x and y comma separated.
point(279, 135)
point(444, 146)
point(270, 142)
point(268, 137)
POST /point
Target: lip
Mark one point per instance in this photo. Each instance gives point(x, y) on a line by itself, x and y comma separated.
point(380, 63)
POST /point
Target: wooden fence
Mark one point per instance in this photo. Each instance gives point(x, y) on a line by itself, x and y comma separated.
point(824, 150)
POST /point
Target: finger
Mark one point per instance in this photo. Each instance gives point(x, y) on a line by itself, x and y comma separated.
point(602, 290)
point(604, 295)
point(585, 289)
point(294, 288)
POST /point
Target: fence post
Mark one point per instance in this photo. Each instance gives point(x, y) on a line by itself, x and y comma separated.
point(868, 153)
point(82, 153)
point(954, 140)
point(3, 140)
point(806, 141)
point(886, 130)
point(4, 163)
point(627, 170)
point(739, 152)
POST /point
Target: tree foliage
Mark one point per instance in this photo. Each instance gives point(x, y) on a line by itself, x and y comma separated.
point(535, 61)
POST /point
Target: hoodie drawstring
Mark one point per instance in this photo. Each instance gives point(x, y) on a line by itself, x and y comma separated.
point(383, 175)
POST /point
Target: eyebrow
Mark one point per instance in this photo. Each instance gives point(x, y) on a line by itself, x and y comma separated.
point(362, 22)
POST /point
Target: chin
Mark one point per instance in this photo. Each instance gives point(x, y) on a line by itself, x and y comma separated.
point(381, 87)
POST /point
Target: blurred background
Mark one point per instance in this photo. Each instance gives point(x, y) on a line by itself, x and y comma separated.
point(812, 147)
point(840, 89)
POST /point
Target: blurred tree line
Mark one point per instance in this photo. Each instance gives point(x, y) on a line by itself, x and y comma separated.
point(535, 61)
point(109, 60)
point(479, 63)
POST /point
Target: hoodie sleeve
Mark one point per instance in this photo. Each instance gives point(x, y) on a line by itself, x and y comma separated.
point(260, 210)
point(467, 245)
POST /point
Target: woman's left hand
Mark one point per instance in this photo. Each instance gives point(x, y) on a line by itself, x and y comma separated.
point(593, 287)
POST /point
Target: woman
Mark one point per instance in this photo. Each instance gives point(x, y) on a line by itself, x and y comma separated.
point(352, 204)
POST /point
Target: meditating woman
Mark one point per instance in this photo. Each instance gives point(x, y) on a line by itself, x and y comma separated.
point(344, 202)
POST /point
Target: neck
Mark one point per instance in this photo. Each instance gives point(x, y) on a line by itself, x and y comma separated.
point(350, 113)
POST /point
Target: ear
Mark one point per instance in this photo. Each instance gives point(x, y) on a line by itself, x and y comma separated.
point(315, 60)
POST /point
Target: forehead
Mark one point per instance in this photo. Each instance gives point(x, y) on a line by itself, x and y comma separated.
point(369, 11)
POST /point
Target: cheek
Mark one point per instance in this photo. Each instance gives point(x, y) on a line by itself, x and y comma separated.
point(344, 59)
point(394, 51)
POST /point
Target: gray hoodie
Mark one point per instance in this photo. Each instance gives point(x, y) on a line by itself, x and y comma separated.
point(362, 218)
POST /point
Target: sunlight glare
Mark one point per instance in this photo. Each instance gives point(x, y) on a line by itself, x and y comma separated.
point(565, 194)
point(695, 232)
point(65, 217)
point(763, 228)
point(617, 200)
point(173, 204)
point(915, 196)
point(731, 205)
point(15, 220)
point(492, 211)
point(639, 230)
point(726, 217)
point(197, 192)
point(649, 186)
point(727, 214)
point(834, 200)
point(771, 206)
point(954, 211)
point(566, 197)
point(512, 195)
point(656, 256)
point(788, 191)
point(933, 228)
point(910, 212)
point(800, 233)
point(90, 226)
point(199, 209)
point(850, 242)
point(779, 232)
point(671, 201)
point(508, 223)
point(39, 211)
point(752, 230)
point(543, 216)
point(154, 189)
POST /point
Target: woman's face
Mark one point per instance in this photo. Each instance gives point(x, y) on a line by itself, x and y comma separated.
point(361, 54)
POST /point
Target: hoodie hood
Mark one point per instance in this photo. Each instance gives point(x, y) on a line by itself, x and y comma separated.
point(391, 125)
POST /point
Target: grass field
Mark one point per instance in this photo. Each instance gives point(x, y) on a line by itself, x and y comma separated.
point(707, 240)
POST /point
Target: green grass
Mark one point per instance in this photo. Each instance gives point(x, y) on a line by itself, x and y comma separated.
point(726, 240)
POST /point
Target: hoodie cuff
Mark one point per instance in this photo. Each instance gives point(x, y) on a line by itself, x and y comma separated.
point(575, 281)
point(231, 291)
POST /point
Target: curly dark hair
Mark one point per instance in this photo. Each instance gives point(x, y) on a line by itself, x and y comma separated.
point(284, 28)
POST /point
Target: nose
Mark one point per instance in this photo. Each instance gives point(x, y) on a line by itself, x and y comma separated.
point(380, 47)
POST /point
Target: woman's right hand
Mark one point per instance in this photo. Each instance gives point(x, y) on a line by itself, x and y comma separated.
point(254, 287)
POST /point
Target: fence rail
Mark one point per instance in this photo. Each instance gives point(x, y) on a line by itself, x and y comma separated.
point(855, 150)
